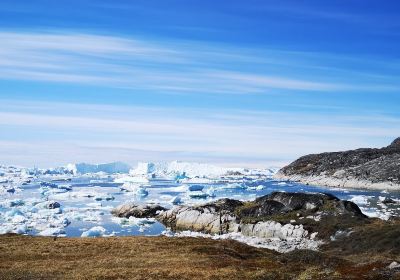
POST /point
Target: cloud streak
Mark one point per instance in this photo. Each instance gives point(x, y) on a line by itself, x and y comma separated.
point(160, 67)
point(237, 136)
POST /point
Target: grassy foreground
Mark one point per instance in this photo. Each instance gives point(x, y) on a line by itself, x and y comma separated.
point(26, 257)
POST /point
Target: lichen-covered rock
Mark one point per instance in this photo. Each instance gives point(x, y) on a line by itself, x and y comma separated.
point(137, 211)
point(272, 229)
point(217, 217)
point(270, 216)
point(361, 168)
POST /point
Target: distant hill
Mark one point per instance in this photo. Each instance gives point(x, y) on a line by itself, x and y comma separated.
point(361, 168)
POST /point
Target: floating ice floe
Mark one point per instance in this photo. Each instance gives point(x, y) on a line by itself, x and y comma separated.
point(137, 189)
point(105, 196)
point(360, 200)
point(52, 232)
point(198, 194)
point(132, 179)
point(176, 200)
point(256, 188)
point(96, 231)
point(196, 181)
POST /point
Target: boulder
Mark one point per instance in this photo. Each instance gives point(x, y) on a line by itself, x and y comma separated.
point(137, 211)
point(53, 205)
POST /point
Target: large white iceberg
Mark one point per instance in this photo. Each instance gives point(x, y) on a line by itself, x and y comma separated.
point(180, 170)
point(109, 168)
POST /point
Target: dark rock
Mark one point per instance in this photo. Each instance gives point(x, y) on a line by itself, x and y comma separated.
point(53, 205)
point(225, 204)
point(266, 208)
point(370, 165)
point(395, 144)
point(350, 208)
point(265, 216)
point(388, 200)
point(137, 211)
point(297, 201)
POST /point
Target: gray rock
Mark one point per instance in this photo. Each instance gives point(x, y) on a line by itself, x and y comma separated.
point(374, 166)
point(256, 218)
point(217, 217)
point(388, 200)
point(53, 205)
point(137, 211)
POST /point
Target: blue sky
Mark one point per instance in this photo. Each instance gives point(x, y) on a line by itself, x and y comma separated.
point(252, 83)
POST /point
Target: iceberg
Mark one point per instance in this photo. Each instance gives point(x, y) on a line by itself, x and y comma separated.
point(176, 200)
point(181, 170)
point(109, 168)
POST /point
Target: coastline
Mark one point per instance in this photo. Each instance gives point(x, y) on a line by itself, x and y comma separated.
point(329, 181)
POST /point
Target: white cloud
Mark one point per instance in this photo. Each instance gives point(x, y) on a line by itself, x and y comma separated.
point(61, 132)
point(141, 64)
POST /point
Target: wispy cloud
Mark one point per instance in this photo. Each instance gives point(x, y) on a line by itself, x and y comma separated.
point(156, 66)
point(252, 137)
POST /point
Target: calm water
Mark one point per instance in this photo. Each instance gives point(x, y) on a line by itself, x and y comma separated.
point(89, 200)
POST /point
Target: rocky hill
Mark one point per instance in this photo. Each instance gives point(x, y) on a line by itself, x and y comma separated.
point(361, 168)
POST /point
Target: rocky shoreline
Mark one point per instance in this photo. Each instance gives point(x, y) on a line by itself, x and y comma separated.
point(338, 182)
point(361, 168)
point(287, 220)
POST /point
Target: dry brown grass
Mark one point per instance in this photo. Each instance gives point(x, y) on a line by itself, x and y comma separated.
point(25, 257)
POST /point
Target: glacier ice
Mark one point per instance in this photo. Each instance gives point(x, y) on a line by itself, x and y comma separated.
point(109, 168)
point(181, 170)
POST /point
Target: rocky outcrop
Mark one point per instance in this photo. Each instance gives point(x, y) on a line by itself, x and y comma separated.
point(137, 211)
point(277, 215)
point(217, 217)
point(361, 168)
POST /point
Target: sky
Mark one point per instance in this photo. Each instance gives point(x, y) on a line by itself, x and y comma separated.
point(233, 83)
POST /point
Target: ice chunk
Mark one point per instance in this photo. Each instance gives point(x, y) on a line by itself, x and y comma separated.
point(52, 232)
point(132, 179)
point(195, 188)
point(176, 200)
point(198, 194)
point(16, 202)
point(360, 200)
point(135, 188)
point(94, 232)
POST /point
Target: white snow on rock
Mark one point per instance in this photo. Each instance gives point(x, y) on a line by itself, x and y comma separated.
point(277, 244)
